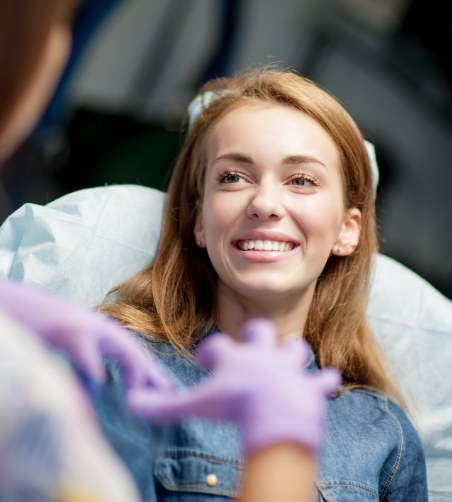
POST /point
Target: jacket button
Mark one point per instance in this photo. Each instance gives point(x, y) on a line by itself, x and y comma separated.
point(211, 479)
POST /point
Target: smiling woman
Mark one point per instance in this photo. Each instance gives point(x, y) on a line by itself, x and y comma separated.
point(336, 324)
point(270, 213)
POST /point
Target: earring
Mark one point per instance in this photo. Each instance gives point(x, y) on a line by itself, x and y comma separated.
point(338, 250)
point(199, 242)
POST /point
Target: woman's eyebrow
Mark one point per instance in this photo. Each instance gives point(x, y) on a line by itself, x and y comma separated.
point(235, 157)
point(288, 160)
point(302, 159)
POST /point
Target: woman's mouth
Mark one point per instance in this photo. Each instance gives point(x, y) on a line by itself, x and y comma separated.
point(265, 245)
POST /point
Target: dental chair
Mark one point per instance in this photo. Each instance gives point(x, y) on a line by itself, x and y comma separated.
point(84, 243)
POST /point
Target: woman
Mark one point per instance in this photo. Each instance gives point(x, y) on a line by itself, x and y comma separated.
point(270, 213)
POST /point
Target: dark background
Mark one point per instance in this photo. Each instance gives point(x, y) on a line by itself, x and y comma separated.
point(117, 114)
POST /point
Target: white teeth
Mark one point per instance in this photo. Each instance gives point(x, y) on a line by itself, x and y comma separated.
point(259, 245)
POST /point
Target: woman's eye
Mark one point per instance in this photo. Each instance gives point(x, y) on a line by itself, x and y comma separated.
point(230, 177)
point(303, 181)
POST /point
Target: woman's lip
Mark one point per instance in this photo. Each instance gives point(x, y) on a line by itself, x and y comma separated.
point(266, 236)
point(264, 256)
point(265, 245)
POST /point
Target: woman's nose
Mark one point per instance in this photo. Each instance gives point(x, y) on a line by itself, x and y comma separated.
point(265, 204)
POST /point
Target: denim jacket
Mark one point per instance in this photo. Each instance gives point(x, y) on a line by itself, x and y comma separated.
point(371, 451)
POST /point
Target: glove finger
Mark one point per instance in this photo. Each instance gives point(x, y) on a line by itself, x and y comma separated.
point(164, 406)
point(138, 368)
point(260, 331)
point(155, 376)
point(213, 349)
point(328, 380)
point(142, 371)
point(297, 350)
point(154, 405)
point(86, 357)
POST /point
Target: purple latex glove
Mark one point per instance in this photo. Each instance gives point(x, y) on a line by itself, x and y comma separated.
point(260, 386)
point(85, 335)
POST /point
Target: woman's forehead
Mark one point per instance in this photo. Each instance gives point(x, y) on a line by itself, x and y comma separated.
point(270, 128)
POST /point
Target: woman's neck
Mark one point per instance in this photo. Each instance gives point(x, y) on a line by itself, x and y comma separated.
point(288, 314)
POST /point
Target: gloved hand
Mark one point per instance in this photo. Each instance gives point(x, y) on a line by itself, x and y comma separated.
point(85, 335)
point(260, 386)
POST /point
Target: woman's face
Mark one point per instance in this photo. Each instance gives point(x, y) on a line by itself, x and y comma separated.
point(272, 211)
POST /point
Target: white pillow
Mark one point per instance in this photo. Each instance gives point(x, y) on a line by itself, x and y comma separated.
point(84, 243)
point(413, 323)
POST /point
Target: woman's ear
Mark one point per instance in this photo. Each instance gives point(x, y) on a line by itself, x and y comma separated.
point(198, 230)
point(349, 235)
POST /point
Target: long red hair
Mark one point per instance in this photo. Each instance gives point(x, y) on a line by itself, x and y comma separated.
point(174, 298)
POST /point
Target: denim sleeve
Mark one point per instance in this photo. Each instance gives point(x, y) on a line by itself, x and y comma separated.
point(406, 479)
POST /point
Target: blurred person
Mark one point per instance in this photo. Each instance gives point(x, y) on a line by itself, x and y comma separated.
point(49, 421)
